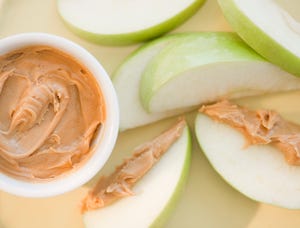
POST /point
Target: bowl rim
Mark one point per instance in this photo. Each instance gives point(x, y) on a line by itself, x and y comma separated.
point(109, 130)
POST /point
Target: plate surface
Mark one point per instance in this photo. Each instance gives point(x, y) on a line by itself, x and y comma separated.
point(208, 201)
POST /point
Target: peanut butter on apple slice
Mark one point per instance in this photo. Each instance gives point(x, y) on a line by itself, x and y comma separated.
point(259, 127)
point(119, 184)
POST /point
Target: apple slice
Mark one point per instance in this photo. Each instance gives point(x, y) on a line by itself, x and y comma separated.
point(155, 193)
point(127, 79)
point(260, 172)
point(124, 22)
point(271, 27)
point(205, 67)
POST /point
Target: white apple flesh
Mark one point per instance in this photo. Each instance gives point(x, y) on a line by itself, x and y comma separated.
point(205, 67)
point(260, 171)
point(155, 194)
point(127, 79)
point(124, 22)
point(271, 27)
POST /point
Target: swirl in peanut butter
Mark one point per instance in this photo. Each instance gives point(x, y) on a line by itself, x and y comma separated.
point(51, 107)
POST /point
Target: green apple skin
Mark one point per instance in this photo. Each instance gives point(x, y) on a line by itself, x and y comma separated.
point(138, 36)
point(130, 72)
point(258, 39)
point(196, 50)
point(179, 190)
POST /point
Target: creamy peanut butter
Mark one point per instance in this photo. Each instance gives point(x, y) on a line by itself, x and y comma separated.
point(51, 107)
point(259, 127)
point(119, 184)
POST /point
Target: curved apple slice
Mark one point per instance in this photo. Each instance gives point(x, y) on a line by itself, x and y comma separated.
point(127, 79)
point(156, 192)
point(270, 27)
point(260, 172)
point(124, 22)
point(205, 67)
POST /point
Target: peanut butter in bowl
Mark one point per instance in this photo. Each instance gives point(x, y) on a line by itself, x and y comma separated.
point(59, 115)
point(50, 110)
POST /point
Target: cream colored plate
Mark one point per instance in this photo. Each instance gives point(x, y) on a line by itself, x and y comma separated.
point(207, 201)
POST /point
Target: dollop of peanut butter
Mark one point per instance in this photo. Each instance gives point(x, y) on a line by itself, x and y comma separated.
point(51, 107)
point(119, 184)
point(259, 127)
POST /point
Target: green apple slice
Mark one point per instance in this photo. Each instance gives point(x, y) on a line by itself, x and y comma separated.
point(260, 172)
point(205, 67)
point(156, 192)
point(271, 27)
point(124, 22)
point(127, 79)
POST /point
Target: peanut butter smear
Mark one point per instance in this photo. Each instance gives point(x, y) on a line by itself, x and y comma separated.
point(119, 184)
point(259, 127)
point(51, 107)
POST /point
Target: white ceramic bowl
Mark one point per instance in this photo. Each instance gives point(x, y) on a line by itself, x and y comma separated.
point(104, 141)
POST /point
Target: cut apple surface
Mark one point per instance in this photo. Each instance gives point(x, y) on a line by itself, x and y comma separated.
point(127, 79)
point(205, 67)
point(271, 27)
point(124, 22)
point(155, 193)
point(258, 171)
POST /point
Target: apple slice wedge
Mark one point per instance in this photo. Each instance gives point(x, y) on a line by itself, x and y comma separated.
point(124, 22)
point(260, 171)
point(126, 80)
point(205, 67)
point(271, 27)
point(155, 193)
